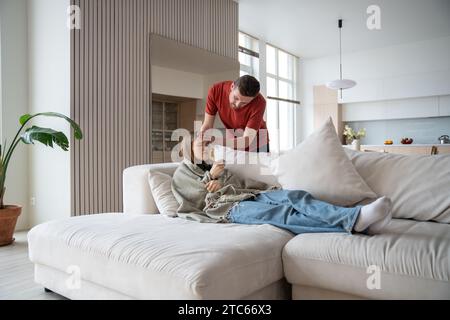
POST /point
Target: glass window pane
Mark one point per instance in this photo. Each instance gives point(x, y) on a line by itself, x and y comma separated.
point(286, 116)
point(255, 67)
point(292, 68)
point(285, 89)
point(243, 73)
point(252, 68)
point(171, 121)
point(255, 45)
point(248, 42)
point(271, 60)
point(242, 39)
point(157, 115)
point(283, 65)
point(244, 59)
point(272, 124)
point(271, 87)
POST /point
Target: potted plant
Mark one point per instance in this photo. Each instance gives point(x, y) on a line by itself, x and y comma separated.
point(353, 137)
point(46, 136)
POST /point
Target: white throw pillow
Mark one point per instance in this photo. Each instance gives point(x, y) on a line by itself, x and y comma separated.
point(320, 166)
point(161, 187)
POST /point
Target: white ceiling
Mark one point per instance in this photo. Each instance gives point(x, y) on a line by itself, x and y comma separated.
point(308, 28)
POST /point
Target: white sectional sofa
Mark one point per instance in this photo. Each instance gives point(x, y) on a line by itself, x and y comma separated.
point(140, 254)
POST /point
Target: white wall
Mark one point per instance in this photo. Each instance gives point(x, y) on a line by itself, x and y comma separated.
point(14, 99)
point(177, 83)
point(49, 90)
point(407, 71)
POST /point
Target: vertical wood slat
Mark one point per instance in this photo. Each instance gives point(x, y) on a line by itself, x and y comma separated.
point(111, 84)
point(73, 80)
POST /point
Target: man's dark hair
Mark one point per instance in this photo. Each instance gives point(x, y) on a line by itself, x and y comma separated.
point(248, 86)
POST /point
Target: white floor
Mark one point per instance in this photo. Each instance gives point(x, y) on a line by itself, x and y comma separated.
point(17, 273)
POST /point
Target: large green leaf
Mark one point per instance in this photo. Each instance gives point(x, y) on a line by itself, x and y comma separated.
point(77, 131)
point(45, 136)
point(23, 119)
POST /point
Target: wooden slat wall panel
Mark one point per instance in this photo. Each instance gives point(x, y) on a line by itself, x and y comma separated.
point(111, 84)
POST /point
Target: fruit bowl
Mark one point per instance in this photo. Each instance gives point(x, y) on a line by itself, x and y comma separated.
point(407, 141)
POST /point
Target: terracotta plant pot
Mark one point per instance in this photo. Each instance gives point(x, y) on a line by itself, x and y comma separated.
point(8, 220)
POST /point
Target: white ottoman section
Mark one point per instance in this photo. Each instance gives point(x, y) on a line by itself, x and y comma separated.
point(156, 257)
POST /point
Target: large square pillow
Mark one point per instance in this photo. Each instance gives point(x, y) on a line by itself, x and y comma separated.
point(419, 186)
point(161, 187)
point(320, 166)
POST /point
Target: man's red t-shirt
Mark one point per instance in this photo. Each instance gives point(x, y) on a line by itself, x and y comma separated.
point(251, 115)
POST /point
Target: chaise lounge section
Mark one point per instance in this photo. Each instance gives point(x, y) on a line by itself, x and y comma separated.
point(152, 256)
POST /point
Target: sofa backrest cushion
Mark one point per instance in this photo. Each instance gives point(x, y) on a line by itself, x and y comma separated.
point(419, 186)
point(320, 166)
point(161, 188)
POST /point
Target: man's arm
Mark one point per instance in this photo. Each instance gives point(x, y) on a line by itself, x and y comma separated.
point(208, 123)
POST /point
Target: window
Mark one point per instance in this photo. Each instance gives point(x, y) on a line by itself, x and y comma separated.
point(249, 55)
point(281, 73)
point(278, 76)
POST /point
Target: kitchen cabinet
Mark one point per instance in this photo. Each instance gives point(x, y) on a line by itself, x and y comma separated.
point(326, 106)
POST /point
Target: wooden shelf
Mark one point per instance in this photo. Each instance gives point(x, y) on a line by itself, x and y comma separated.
point(169, 114)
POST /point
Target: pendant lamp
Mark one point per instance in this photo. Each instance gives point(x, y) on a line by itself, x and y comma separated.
point(340, 84)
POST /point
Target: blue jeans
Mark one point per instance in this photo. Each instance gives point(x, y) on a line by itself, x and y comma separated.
point(296, 211)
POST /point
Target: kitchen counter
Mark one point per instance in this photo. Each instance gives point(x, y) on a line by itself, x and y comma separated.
point(421, 149)
point(406, 145)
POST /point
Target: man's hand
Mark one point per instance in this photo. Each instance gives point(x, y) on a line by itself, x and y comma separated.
point(213, 186)
point(217, 170)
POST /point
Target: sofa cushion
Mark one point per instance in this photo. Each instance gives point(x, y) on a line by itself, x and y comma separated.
point(419, 186)
point(320, 166)
point(157, 257)
point(412, 258)
point(161, 188)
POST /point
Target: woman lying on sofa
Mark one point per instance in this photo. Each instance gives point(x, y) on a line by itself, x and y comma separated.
point(210, 193)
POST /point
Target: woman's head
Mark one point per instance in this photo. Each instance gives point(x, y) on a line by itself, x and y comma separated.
point(198, 150)
point(203, 150)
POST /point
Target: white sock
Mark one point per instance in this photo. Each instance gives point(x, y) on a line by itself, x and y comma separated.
point(379, 226)
point(372, 213)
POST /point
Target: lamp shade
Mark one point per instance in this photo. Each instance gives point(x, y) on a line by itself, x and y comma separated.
point(341, 84)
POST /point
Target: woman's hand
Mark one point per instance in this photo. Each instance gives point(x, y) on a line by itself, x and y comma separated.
point(213, 186)
point(217, 170)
